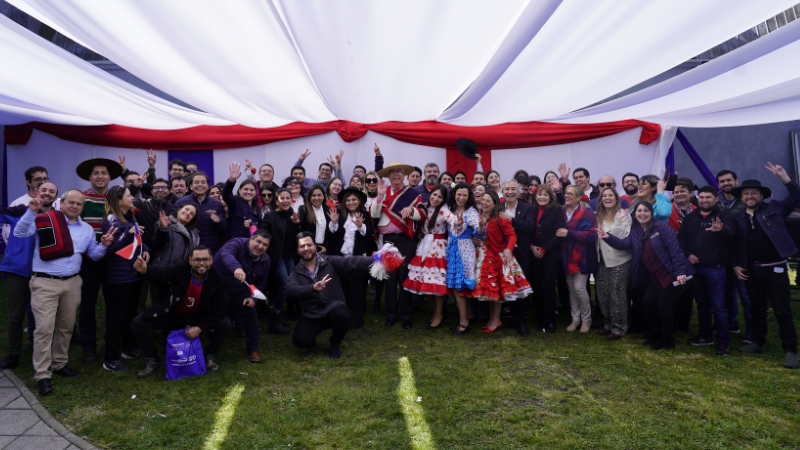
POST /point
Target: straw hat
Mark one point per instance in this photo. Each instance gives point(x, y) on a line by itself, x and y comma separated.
point(384, 173)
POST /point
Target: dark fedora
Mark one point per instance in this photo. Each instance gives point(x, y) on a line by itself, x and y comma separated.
point(750, 184)
point(352, 189)
point(467, 147)
point(84, 169)
point(685, 181)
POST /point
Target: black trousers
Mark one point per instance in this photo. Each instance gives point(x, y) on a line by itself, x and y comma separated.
point(398, 300)
point(683, 309)
point(121, 303)
point(521, 307)
point(636, 313)
point(354, 287)
point(167, 323)
point(658, 308)
point(307, 329)
point(544, 290)
point(767, 287)
point(93, 274)
point(19, 300)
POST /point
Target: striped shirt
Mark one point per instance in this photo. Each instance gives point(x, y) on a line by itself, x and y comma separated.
point(93, 209)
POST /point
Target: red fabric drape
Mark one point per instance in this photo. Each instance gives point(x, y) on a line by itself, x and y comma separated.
point(428, 133)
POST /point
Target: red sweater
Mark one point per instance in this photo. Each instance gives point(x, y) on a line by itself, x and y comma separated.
point(500, 236)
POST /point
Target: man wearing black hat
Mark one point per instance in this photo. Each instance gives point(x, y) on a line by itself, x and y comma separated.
point(764, 246)
point(99, 172)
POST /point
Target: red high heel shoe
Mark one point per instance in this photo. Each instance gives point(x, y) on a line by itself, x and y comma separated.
point(492, 330)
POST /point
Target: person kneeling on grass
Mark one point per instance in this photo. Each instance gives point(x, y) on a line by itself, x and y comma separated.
point(316, 285)
point(198, 302)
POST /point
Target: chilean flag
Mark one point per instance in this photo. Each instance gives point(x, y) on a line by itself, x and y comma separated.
point(130, 251)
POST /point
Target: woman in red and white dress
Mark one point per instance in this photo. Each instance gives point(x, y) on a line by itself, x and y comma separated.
point(500, 278)
point(427, 272)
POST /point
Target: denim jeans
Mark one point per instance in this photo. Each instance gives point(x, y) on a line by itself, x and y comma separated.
point(281, 271)
point(733, 286)
point(709, 291)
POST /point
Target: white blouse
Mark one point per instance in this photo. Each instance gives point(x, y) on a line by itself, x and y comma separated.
point(349, 234)
point(320, 231)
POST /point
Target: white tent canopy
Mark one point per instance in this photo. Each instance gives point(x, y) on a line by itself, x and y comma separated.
point(467, 62)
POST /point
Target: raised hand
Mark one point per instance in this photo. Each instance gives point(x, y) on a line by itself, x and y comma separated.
point(239, 274)
point(359, 220)
point(339, 158)
point(235, 171)
point(779, 172)
point(564, 171)
point(151, 159)
point(139, 181)
point(334, 215)
point(661, 186)
point(478, 155)
point(381, 189)
point(459, 219)
point(140, 266)
point(304, 155)
point(121, 162)
point(295, 218)
point(214, 217)
point(482, 221)
point(716, 225)
point(320, 285)
point(108, 238)
point(163, 218)
point(601, 233)
point(377, 150)
point(623, 212)
point(36, 202)
point(332, 161)
point(248, 165)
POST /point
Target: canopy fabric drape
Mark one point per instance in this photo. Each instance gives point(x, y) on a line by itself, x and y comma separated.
point(429, 133)
point(466, 62)
point(758, 83)
point(41, 81)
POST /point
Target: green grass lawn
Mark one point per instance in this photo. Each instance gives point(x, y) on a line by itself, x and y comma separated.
point(493, 391)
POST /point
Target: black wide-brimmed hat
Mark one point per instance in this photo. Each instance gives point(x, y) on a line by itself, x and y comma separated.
point(467, 147)
point(751, 184)
point(84, 169)
point(354, 190)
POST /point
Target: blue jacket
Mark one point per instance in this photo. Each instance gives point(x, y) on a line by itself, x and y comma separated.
point(120, 270)
point(18, 257)
point(209, 231)
point(665, 245)
point(236, 254)
point(772, 218)
point(238, 212)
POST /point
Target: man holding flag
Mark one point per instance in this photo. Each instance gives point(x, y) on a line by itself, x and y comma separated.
point(61, 240)
point(243, 263)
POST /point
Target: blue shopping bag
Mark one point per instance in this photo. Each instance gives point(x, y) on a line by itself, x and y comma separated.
point(184, 356)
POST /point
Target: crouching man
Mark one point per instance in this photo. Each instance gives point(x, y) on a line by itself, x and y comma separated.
point(316, 284)
point(198, 300)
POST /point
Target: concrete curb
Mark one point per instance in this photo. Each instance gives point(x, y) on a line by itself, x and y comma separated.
point(45, 416)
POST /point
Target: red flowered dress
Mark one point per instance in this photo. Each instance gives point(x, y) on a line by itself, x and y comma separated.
point(498, 282)
point(427, 272)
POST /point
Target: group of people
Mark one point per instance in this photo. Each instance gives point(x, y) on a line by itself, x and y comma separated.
point(498, 247)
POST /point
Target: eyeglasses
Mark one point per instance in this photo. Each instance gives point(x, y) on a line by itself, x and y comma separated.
point(40, 180)
point(160, 188)
point(569, 193)
point(630, 182)
point(602, 185)
point(201, 260)
point(267, 195)
point(372, 180)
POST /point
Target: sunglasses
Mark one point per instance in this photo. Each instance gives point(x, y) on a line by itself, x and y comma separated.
point(266, 195)
point(294, 183)
point(372, 180)
point(602, 185)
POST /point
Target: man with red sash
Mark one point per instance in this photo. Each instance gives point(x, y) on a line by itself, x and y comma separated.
point(398, 208)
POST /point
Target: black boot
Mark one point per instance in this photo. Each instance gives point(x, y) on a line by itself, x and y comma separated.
point(276, 325)
point(9, 362)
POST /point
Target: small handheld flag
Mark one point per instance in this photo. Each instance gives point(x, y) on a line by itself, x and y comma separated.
point(130, 251)
point(257, 294)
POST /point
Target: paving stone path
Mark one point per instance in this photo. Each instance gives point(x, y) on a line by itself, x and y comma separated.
point(25, 424)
